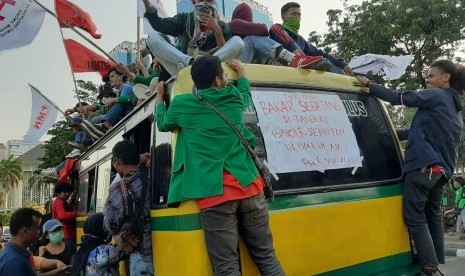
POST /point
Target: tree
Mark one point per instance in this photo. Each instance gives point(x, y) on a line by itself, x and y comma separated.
point(57, 147)
point(11, 173)
point(426, 29)
point(88, 91)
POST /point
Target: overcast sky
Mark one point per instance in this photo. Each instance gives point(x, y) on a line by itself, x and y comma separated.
point(44, 64)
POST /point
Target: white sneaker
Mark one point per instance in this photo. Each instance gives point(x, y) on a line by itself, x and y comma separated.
point(50, 172)
point(73, 154)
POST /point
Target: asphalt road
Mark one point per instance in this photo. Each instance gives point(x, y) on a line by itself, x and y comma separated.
point(454, 266)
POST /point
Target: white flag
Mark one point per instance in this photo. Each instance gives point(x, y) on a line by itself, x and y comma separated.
point(20, 21)
point(43, 115)
point(393, 66)
point(148, 30)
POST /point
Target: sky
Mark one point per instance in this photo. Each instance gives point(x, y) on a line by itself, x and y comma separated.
point(44, 63)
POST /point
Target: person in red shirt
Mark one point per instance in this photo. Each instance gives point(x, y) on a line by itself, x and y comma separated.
point(63, 211)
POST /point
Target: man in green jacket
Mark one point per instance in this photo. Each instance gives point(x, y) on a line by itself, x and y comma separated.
point(199, 32)
point(213, 167)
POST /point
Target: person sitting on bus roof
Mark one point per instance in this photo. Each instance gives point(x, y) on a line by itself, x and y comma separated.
point(200, 32)
point(287, 35)
point(259, 47)
point(118, 107)
point(126, 161)
point(222, 176)
point(79, 108)
point(152, 72)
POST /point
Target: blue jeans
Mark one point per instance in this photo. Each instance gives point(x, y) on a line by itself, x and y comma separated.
point(258, 48)
point(423, 215)
point(137, 265)
point(170, 57)
point(223, 223)
point(116, 112)
point(79, 137)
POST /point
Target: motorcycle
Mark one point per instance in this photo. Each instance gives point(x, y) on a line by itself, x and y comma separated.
point(450, 219)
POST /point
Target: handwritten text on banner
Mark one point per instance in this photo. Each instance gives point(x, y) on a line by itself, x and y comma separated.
point(306, 132)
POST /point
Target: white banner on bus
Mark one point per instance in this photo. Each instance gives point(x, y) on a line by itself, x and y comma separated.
point(43, 115)
point(306, 132)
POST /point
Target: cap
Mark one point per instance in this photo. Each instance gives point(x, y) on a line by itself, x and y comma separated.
point(51, 225)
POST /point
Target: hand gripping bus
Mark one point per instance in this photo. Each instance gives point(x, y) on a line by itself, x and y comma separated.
point(335, 165)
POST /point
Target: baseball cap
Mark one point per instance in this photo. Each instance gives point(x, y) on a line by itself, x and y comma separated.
point(51, 225)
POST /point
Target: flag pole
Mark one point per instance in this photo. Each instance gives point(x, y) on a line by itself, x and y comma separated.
point(71, 68)
point(138, 38)
point(52, 103)
point(76, 31)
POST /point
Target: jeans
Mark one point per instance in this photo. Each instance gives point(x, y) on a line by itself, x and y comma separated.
point(170, 57)
point(137, 265)
point(116, 112)
point(223, 223)
point(79, 137)
point(258, 48)
point(423, 215)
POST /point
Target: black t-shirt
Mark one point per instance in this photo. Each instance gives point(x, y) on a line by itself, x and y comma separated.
point(65, 256)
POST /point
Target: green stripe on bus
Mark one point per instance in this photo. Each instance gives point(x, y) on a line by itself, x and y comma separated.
point(296, 201)
point(399, 264)
point(190, 222)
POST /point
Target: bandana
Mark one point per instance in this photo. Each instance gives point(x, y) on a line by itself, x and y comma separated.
point(292, 24)
point(201, 33)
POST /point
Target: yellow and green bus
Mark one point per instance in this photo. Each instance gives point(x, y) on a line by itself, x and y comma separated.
point(337, 213)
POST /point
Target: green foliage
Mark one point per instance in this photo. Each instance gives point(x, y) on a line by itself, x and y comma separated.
point(11, 172)
point(88, 91)
point(57, 147)
point(5, 218)
point(426, 29)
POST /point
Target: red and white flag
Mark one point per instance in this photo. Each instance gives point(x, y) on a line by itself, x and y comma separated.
point(148, 30)
point(74, 16)
point(83, 59)
point(20, 21)
point(43, 115)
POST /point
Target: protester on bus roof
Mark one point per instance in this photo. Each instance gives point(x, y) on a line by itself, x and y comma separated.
point(259, 47)
point(200, 32)
point(78, 108)
point(96, 256)
point(430, 154)
point(222, 176)
point(287, 35)
point(15, 259)
point(133, 187)
point(54, 246)
point(63, 211)
point(153, 72)
point(118, 107)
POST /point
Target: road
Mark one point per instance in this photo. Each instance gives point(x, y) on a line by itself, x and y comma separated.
point(454, 266)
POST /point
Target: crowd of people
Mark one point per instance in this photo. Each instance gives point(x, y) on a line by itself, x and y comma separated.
point(222, 178)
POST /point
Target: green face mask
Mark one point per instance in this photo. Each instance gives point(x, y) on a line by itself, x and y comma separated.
point(56, 237)
point(292, 24)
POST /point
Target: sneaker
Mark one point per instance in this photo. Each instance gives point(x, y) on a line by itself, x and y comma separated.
point(323, 66)
point(50, 172)
point(95, 131)
point(73, 154)
point(305, 62)
point(79, 146)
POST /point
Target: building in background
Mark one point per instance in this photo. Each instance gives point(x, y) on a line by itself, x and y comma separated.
point(2, 151)
point(125, 53)
point(226, 8)
point(27, 193)
point(18, 147)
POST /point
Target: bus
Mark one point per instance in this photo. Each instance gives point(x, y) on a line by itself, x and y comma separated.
point(336, 170)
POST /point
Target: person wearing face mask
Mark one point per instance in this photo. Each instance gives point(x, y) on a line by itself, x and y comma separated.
point(199, 32)
point(430, 154)
point(54, 246)
point(287, 34)
point(96, 256)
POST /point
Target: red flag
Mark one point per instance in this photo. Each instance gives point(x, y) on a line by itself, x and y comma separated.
point(75, 16)
point(84, 60)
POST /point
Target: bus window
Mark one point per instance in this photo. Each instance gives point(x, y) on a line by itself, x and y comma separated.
point(376, 144)
point(86, 201)
point(141, 135)
point(161, 168)
point(103, 184)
